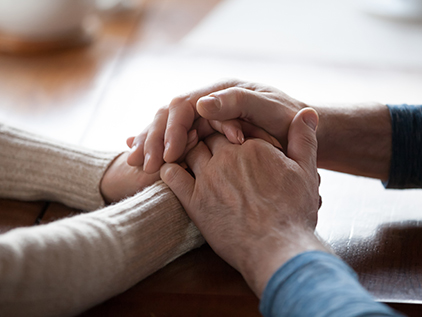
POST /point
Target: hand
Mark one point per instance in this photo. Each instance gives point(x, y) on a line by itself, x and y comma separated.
point(167, 137)
point(234, 130)
point(121, 180)
point(254, 205)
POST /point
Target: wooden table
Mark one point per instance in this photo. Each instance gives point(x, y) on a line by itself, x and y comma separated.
point(137, 64)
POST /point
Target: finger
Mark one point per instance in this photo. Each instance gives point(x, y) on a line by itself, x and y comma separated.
point(203, 128)
point(252, 131)
point(136, 153)
point(302, 141)
point(198, 158)
point(180, 182)
point(238, 103)
point(206, 128)
point(180, 120)
point(232, 129)
point(192, 142)
point(182, 113)
point(154, 148)
point(129, 141)
point(216, 142)
point(237, 130)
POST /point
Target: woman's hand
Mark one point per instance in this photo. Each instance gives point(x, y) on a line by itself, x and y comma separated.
point(169, 134)
point(122, 180)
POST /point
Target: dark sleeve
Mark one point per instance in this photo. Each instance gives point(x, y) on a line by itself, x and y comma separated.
point(406, 156)
point(318, 284)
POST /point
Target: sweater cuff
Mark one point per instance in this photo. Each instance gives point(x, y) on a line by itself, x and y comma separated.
point(36, 168)
point(154, 230)
point(406, 166)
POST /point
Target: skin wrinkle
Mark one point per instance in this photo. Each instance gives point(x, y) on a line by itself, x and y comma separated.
point(242, 202)
point(272, 202)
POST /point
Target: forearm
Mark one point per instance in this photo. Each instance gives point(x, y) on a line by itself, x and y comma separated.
point(36, 168)
point(355, 139)
point(65, 267)
point(268, 255)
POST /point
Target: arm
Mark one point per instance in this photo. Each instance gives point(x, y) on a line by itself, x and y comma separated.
point(352, 138)
point(68, 266)
point(355, 139)
point(257, 208)
point(373, 140)
point(65, 267)
point(35, 168)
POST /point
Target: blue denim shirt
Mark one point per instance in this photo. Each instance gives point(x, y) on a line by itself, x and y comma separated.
point(318, 284)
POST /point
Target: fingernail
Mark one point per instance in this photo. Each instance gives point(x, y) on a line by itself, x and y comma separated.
point(240, 137)
point(146, 161)
point(166, 148)
point(192, 135)
point(276, 143)
point(311, 120)
point(211, 103)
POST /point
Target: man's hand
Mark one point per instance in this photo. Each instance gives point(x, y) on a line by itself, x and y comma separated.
point(255, 206)
point(167, 137)
point(121, 180)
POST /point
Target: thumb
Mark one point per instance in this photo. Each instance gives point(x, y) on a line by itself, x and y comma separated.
point(180, 182)
point(302, 142)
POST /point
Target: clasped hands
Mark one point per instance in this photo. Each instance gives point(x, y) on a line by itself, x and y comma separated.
point(256, 205)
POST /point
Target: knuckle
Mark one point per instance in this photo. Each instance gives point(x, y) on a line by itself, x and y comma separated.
point(178, 100)
point(232, 82)
point(184, 104)
point(170, 174)
point(181, 100)
point(238, 95)
point(162, 111)
point(254, 144)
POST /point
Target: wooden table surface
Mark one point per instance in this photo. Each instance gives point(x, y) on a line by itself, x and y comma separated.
point(137, 63)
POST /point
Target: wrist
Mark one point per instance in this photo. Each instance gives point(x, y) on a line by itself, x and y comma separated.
point(268, 255)
point(121, 180)
point(355, 139)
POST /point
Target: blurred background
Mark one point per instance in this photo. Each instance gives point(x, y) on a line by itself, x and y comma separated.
point(95, 72)
point(137, 55)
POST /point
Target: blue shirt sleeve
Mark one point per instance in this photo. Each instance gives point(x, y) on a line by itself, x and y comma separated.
point(406, 156)
point(318, 284)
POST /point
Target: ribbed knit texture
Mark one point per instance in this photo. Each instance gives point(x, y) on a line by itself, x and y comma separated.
point(68, 266)
point(34, 168)
point(406, 165)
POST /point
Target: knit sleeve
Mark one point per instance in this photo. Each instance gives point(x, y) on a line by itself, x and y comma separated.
point(406, 156)
point(35, 168)
point(68, 266)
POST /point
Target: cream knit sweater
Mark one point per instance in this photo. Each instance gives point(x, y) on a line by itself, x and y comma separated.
point(65, 267)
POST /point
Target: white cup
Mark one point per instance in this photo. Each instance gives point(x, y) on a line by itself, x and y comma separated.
point(44, 19)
